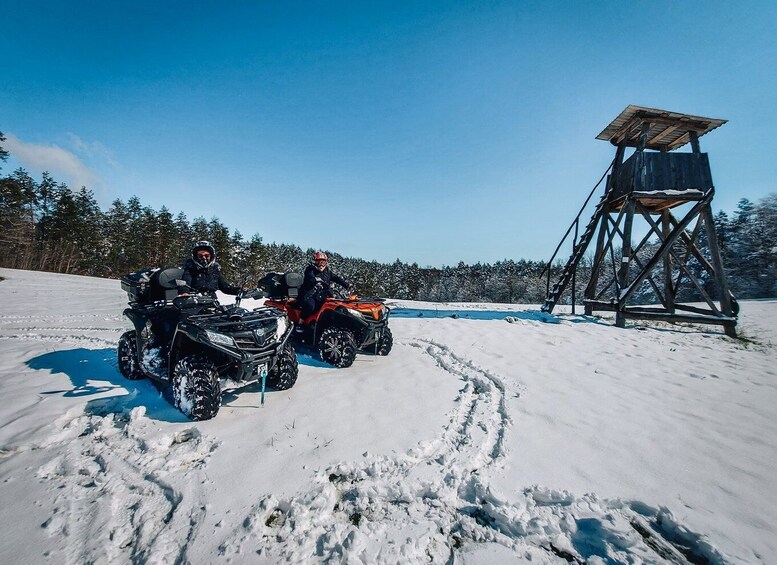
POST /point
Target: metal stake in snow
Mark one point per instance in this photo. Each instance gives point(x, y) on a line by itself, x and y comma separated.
point(264, 382)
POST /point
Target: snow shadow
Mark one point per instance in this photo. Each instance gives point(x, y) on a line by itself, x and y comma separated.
point(507, 315)
point(534, 315)
point(309, 359)
point(94, 372)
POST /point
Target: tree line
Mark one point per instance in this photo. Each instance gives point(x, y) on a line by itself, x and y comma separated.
point(45, 225)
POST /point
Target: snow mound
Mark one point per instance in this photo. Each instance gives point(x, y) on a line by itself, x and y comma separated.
point(122, 493)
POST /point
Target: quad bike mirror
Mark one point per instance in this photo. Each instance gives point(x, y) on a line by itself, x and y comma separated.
point(252, 293)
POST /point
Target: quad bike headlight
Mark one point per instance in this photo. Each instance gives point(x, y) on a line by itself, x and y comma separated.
point(283, 324)
point(220, 339)
point(355, 313)
point(376, 312)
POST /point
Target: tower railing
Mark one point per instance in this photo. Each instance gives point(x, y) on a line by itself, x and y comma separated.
point(574, 225)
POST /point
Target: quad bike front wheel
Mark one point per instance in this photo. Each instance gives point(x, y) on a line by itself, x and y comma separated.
point(196, 388)
point(284, 374)
point(386, 342)
point(127, 353)
point(337, 347)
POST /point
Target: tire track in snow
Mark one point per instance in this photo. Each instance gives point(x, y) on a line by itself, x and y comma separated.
point(121, 494)
point(68, 329)
point(480, 422)
point(59, 318)
point(51, 338)
point(434, 503)
point(39, 328)
point(382, 493)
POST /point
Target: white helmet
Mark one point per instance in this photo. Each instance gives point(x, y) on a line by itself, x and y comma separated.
point(200, 256)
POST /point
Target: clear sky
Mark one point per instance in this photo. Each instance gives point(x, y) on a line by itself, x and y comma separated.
point(433, 132)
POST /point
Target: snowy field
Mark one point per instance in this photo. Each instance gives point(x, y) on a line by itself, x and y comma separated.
point(490, 434)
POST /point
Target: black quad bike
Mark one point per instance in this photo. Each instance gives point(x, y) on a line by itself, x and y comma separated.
point(344, 325)
point(191, 342)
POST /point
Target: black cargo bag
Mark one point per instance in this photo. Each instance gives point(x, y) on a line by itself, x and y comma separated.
point(152, 285)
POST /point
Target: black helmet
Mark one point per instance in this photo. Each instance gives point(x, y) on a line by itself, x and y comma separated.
point(204, 262)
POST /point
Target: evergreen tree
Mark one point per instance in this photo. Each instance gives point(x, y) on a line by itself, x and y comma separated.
point(741, 251)
point(87, 233)
point(184, 239)
point(116, 226)
point(63, 253)
point(17, 220)
point(256, 256)
point(199, 230)
point(167, 241)
point(46, 200)
point(136, 242)
point(218, 235)
point(3, 152)
point(241, 270)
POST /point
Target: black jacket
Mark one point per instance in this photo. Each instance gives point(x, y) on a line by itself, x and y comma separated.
point(206, 280)
point(313, 277)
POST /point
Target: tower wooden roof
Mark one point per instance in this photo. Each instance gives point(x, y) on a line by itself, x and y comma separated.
point(668, 130)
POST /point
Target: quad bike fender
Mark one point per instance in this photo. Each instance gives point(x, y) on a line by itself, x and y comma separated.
point(288, 306)
point(279, 348)
point(182, 345)
point(138, 320)
point(339, 317)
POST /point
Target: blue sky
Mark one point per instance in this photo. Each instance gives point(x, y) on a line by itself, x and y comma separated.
point(433, 132)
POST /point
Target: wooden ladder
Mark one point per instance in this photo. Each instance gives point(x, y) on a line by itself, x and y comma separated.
point(577, 253)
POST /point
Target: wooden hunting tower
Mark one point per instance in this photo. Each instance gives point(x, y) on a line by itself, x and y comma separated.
point(647, 187)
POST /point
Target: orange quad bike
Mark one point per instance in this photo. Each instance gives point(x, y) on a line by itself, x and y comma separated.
point(344, 325)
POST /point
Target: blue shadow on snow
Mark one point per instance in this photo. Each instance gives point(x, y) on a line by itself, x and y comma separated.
point(534, 315)
point(510, 315)
point(309, 359)
point(84, 366)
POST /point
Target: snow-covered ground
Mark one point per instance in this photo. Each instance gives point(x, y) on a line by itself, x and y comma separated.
point(491, 434)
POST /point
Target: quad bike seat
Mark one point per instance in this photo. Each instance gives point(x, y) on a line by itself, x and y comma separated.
point(163, 283)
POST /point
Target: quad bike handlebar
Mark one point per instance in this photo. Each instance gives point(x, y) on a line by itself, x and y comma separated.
point(340, 293)
point(253, 293)
point(197, 300)
point(186, 301)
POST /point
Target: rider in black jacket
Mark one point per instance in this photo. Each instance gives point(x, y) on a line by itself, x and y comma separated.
point(202, 274)
point(316, 284)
